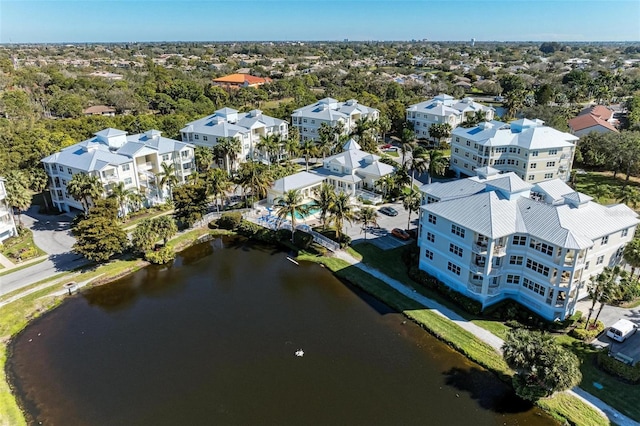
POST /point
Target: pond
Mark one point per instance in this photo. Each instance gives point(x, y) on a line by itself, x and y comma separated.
point(213, 340)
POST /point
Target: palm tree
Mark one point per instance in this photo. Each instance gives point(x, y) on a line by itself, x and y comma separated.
point(419, 163)
point(363, 125)
point(204, 157)
point(85, 188)
point(18, 197)
point(229, 149)
point(268, 145)
point(292, 144)
point(407, 142)
point(632, 254)
point(437, 164)
point(341, 210)
point(308, 150)
point(324, 197)
point(253, 176)
point(168, 178)
point(121, 195)
point(386, 184)
point(327, 140)
point(609, 283)
point(135, 200)
point(384, 125)
point(165, 227)
point(289, 205)
point(411, 203)
point(218, 183)
point(367, 216)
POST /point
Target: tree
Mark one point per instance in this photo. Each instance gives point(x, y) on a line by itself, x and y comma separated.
point(218, 183)
point(367, 216)
point(99, 237)
point(269, 146)
point(190, 203)
point(440, 131)
point(407, 142)
point(228, 149)
point(341, 210)
point(308, 150)
point(629, 195)
point(121, 195)
point(168, 178)
point(324, 197)
point(542, 366)
point(290, 205)
point(203, 157)
point(608, 282)
point(631, 254)
point(143, 237)
point(254, 176)
point(86, 189)
point(165, 227)
point(411, 203)
point(437, 164)
point(514, 92)
point(18, 196)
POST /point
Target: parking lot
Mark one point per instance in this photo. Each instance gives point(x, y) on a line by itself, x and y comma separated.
point(625, 351)
point(381, 236)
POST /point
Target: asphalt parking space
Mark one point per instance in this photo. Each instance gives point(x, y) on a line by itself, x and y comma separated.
point(381, 236)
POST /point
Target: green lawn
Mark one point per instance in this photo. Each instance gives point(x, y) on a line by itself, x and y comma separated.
point(21, 248)
point(570, 410)
point(588, 182)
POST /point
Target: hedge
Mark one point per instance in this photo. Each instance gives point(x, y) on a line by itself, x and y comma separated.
point(589, 333)
point(468, 304)
point(618, 368)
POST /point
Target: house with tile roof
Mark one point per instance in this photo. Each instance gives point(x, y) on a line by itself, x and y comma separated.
point(444, 109)
point(238, 80)
point(246, 127)
point(352, 171)
point(596, 118)
point(115, 157)
point(494, 236)
point(332, 112)
point(528, 148)
point(7, 224)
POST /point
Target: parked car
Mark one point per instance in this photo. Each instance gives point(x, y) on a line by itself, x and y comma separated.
point(389, 211)
point(399, 233)
point(387, 146)
point(621, 330)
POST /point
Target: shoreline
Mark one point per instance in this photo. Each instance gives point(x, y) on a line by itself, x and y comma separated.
point(464, 343)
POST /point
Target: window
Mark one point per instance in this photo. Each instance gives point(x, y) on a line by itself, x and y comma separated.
point(516, 260)
point(455, 150)
point(127, 181)
point(551, 163)
point(455, 161)
point(548, 175)
point(455, 229)
point(586, 265)
point(600, 260)
point(466, 154)
point(61, 168)
point(468, 143)
point(432, 218)
point(457, 140)
point(553, 152)
point(511, 162)
point(453, 268)
point(513, 279)
point(533, 165)
point(430, 237)
point(531, 177)
point(70, 172)
point(184, 154)
point(205, 138)
point(625, 232)
point(604, 240)
point(126, 167)
point(165, 157)
point(519, 240)
point(196, 137)
point(534, 153)
point(538, 267)
point(466, 165)
point(501, 150)
point(533, 286)
point(64, 182)
point(500, 162)
point(455, 250)
point(541, 247)
point(428, 254)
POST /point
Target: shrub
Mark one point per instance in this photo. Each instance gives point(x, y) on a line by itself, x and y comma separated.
point(588, 334)
point(617, 368)
point(468, 304)
point(160, 257)
point(230, 220)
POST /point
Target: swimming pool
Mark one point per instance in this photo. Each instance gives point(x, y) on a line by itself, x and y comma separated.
point(313, 209)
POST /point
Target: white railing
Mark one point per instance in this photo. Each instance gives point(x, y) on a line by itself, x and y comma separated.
point(476, 268)
point(368, 195)
point(475, 288)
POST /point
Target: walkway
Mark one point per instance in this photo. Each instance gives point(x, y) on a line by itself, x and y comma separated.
point(494, 341)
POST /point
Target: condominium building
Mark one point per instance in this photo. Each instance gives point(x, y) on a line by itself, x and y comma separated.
point(7, 225)
point(114, 157)
point(494, 237)
point(528, 148)
point(246, 127)
point(444, 109)
point(336, 114)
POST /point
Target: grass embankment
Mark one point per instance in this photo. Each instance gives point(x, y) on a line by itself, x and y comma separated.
point(562, 407)
point(587, 184)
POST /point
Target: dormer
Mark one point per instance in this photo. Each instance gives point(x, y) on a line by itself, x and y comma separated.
point(255, 113)
point(576, 199)
point(114, 138)
point(153, 134)
point(229, 114)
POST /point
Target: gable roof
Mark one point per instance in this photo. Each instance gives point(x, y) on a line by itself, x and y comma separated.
point(241, 79)
point(586, 121)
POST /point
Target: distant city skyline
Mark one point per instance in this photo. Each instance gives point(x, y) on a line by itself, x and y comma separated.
point(64, 21)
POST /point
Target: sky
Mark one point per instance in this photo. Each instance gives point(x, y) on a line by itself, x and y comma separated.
point(64, 21)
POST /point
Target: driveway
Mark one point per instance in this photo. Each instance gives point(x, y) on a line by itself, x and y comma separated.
point(609, 314)
point(381, 236)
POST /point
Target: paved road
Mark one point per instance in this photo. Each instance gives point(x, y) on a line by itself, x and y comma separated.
point(51, 234)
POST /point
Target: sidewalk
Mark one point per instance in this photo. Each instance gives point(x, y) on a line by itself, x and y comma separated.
point(6, 263)
point(607, 411)
point(9, 265)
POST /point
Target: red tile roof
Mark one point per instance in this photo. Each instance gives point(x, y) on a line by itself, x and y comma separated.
point(599, 111)
point(240, 79)
point(585, 121)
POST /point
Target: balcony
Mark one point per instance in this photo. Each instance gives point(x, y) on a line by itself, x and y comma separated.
point(145, 166)
point(479, 248)
point(495, 270)
point(493, 290)
point(111, 178)
point(499, 250)
point(477, 269)
point(474, 288)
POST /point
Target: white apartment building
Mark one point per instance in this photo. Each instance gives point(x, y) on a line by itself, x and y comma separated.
point(7, 225)
point(114, 157)
point(328, 110)
point(246, 127)
point(444, 109)
point(528, 148)
point(495, 237)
